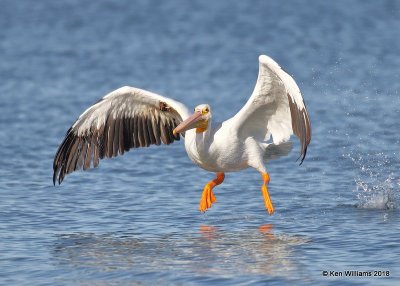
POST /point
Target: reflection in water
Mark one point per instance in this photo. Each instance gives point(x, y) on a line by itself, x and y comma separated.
point(266, 228)
point(208, 232)
point(210, 251)
point(257, 252)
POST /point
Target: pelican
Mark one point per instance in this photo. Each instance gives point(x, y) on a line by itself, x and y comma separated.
point(130, 117)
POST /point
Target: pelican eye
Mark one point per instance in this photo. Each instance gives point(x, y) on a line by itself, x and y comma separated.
point(205, 110)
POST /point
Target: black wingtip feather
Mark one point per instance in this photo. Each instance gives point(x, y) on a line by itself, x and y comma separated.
point(106, 142)
point(302, 156)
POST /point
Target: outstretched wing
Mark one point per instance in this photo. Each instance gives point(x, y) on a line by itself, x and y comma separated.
point(275, 108)
point(125, 118)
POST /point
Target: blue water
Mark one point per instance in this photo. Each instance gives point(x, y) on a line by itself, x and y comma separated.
point(134, 220)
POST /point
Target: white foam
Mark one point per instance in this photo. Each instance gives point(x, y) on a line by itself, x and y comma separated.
point(379, 196)
point(376, 186)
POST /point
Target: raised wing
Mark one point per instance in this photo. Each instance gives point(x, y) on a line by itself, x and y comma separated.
point(275, 108)
point(125, 118)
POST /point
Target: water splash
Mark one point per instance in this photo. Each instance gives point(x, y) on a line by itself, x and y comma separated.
point(376, 184)
point(376, 195)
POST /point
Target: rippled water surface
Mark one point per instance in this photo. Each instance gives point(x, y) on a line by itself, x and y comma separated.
point(134, 220)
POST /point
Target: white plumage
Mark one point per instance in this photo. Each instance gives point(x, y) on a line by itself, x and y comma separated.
point(130, 117)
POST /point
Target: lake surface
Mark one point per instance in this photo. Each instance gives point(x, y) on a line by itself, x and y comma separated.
point(135, 219)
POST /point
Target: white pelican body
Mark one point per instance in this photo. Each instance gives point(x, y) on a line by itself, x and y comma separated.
point(220, 149)
point(130, 118)
point(216, 149)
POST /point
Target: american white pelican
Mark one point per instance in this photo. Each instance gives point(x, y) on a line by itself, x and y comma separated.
point(130, 118)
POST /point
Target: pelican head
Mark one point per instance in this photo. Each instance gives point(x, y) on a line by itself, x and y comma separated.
point(199, 119)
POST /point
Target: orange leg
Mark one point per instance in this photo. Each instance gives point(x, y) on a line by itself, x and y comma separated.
point(207, 198)
point(267, 199)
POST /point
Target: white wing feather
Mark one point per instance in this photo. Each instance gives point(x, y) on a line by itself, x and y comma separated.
point(275, 108)
point(125, 118)
point(124, 101)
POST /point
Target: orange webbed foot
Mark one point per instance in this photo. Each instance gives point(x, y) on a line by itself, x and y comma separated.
point(208, 197)
point(267, 199)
